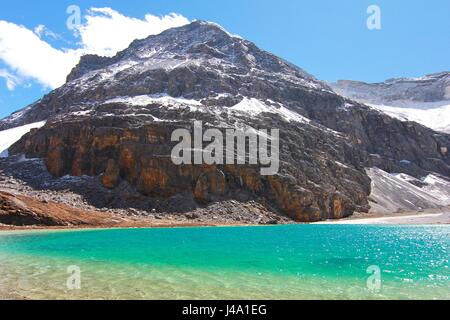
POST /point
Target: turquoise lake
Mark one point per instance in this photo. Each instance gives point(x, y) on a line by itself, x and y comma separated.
point(279, 262)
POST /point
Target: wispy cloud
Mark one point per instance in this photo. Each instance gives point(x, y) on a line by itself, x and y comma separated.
point(11, 80)
point(42, 31)
point(104, 32)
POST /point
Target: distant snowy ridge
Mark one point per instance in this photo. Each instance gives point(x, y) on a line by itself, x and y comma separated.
point(11, 136)
point(401, 92)
point(425, 100)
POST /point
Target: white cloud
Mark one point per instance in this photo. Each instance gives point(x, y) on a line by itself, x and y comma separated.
point(42, 31)
point(39, 30)
point(105, 32)
point(30, 57)
point(11, 80)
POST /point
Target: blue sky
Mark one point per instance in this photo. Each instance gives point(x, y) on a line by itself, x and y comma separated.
point(327, 38)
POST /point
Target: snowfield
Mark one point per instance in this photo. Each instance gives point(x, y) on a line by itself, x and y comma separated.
point(254, 107)
point(161, 99)
point(436, 118)
point(11, 136)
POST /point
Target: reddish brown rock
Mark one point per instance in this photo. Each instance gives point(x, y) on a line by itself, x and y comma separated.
point(110, 178)
point(140, 155)
point(209, 185)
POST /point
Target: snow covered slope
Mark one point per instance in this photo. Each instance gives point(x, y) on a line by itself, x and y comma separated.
point(255, 107)
point(436, 118)
point(401, 192)
point(425, 100)
point(11, 136)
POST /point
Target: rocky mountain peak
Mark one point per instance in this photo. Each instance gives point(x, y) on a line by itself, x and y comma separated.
point(200, 61)
point(172, 41)
point(198, 43)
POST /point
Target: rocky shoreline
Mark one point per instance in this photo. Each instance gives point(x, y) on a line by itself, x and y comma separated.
point(33, 199)
point(30, 197)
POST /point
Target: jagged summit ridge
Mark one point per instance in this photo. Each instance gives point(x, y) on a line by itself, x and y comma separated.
point(197, 42)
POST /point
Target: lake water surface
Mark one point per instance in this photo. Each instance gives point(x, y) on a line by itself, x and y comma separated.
point(280, 262)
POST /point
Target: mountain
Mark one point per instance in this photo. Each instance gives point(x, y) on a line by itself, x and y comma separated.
point(425, 100)
point(111, 124)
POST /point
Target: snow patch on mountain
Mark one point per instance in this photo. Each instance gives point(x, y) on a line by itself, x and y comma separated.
point(115, 69)
point(437, 118)
point(255, 107)
point(11, 136)
point(425, 100)
point(161, 99)
point(218, 26)
point(249, 106)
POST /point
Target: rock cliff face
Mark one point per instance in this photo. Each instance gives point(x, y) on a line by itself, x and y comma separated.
point(114, 119)
point(311, 186)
